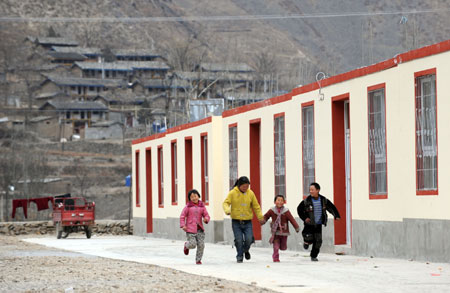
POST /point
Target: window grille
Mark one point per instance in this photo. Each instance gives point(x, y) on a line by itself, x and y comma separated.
point(161, 177)
point(308, 148)
point(232, 140)
point(175, 173)
point(426, 148)
point(377, 143)
point(280, 163)
point(205, 169)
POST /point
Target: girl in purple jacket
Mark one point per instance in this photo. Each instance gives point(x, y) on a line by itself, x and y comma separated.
point(191, 223)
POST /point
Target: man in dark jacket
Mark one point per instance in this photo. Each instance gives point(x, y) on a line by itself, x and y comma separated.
point(313, 212)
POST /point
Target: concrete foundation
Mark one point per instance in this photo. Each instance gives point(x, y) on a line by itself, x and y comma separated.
point(418, 239)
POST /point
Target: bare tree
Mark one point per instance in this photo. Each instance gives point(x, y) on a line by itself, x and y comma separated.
point(37, 171)
point(182, 54)
point(266, 69)
point(88, 33)
point(11, 172)
point(82, 176)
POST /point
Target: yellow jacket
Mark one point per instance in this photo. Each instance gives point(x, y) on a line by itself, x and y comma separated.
point(241, 205)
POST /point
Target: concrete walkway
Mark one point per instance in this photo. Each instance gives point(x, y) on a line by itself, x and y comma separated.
point(295, 272)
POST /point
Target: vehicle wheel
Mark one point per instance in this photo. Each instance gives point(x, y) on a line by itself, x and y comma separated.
point(88, 231)
point(58, 229)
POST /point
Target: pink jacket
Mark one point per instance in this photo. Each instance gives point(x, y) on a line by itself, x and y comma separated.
point(192, 215)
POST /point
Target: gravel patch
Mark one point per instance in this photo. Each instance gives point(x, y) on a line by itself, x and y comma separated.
point(27, 267)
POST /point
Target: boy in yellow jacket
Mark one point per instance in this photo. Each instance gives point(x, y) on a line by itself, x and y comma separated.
point(240, 204)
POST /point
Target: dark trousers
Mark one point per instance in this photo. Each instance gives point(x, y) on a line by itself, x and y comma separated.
point(243, 236)
point(312, 234)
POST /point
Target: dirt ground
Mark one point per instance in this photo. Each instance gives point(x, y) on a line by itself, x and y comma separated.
point(26, 267)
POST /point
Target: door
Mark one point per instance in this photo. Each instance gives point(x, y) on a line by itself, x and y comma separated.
point(255, 170)
point(341, 167)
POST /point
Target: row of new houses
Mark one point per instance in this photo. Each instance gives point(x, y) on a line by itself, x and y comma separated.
point(370, 137)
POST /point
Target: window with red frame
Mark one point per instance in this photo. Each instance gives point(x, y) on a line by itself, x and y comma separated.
point(377, 142)
point(279, 156)
point(233, 153)
point(205, 179)
point(160, 177)
point(309, 172)
point(174, 173)
point(426, 133)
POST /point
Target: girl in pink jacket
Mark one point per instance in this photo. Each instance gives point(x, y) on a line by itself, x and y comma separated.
point(191, 223)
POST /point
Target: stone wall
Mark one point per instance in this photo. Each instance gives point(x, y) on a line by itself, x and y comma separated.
point(47, 227)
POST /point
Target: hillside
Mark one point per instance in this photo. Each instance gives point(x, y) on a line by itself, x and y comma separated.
point(95, 170)
point(301, 47)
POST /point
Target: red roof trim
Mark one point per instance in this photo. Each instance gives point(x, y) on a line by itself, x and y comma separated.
point(347, 76)
point(401, 58)
point(189, 125)
point(151, 137)
point(261, 104)
point(424, 52)
point(172, 130)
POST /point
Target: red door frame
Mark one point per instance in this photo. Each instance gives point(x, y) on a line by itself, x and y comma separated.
point(255, 167)
point(338, 113)
point(148, 180)
point(188, 163)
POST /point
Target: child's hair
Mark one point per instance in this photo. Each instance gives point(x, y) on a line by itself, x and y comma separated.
point(241, 180)
point(191, 192)
point(316, 185)
point(277, 196)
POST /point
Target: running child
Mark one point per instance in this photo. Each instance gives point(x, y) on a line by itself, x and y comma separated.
point(191, 222)
point(280, 229)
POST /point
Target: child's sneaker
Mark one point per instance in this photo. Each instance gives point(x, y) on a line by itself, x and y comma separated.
point(186, 251)
point(276, 260)
point(314, 259)
point(199, 262)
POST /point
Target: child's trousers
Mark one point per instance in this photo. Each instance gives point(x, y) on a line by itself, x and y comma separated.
point(279, 243)
point(196, 240)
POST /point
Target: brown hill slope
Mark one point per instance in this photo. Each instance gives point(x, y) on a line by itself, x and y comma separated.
point(332, 44)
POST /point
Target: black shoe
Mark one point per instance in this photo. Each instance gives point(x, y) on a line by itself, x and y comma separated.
point(247, 255)
point(239, 261)
point(314, 259)
point(305, 246)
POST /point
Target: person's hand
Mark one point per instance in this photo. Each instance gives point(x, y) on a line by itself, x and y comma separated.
point(297, 230)
point(337, 219)
point(308, 220)
point(184, 228)
point(205, 221)
point(262, 222)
